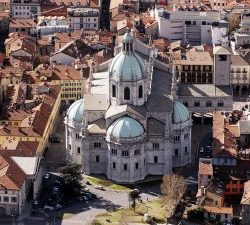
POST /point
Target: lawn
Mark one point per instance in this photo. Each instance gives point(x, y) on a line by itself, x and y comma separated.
point(152, 208)
point(107, 184)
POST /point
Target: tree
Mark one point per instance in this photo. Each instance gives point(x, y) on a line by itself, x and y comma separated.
point(133, 196)
point(72, 179)
point(173, 188)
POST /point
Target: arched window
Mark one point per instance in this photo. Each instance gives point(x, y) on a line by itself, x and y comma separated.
point(113, 90)
point(126, 93)
point(140, 91)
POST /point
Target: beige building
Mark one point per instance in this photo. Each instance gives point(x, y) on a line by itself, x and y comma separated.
point(29, 114)
point(194, 67)
point(245, 204)
point(239, 75)
point(73, 81)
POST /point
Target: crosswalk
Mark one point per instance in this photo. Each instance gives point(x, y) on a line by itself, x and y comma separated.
point(36, 218)
point(68, 221)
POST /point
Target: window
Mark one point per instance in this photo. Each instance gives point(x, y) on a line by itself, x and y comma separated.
point(156, 145)
point(125, 166)
point(6, 199)
point(220, 104)
point(126, 93)
point(155, 159)
point(208, 103)
point(78, 150)
point(227, 189)
point(234, 181)
point(97, 145)
point(137, 166)
point(185, 103)
point(114, 151)
point(137, 152)
point(234, 189)
point(197, 103)
point(113, 90)
point(13, 199)
point(77, 136)
point(97, 158)
point(125, 153)
point(176, 152)
point(140, 94)
point(186, 150)
point(69, 147)
point(176, 138)
point(222, 58)
point(186, 136)
point(114, 165)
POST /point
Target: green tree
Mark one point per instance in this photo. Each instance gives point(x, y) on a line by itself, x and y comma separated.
point(72, 179)
point(133, 196)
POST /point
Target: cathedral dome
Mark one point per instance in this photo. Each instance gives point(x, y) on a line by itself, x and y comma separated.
point(127, 65)
point(75, 111)
point(180, 113)
point(125, 127)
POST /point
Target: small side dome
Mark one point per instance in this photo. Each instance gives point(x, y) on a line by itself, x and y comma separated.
point(180, 113)
point(125, 127)
point(75, 111)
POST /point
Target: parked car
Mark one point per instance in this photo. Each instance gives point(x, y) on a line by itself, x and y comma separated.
point(54, 138)
point(99, 187)
point(49, 208)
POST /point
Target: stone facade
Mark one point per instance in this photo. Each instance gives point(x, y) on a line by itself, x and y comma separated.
point(126, 132)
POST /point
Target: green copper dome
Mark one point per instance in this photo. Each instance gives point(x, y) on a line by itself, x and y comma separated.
point(127, 65)
point(75, 111)
point(180, 113)
point(125, 127)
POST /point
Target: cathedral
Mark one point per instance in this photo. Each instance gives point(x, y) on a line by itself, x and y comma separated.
point(127, 126)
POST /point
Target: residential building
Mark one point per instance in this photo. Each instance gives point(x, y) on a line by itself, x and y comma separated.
point(188, 26)
point(83, 18)
point(68, 54)
point(222, 214)
point(24, 8)
point(240, 75)
point(245, 204)
point(4, 5)
point(21, 176)
point(72, 81)
point(127, 126)
point(205, 173)
point(205, 84)
point(194, 67)
point(22, 25)
point(29, 113)
point(4, 22)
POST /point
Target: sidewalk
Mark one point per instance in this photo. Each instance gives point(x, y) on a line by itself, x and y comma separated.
point(26, 211)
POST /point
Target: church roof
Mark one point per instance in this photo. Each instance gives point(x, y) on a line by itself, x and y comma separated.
point(96, 102)
point(125, 127)
point(97, 127)
point(75, 111)
point(155, 127)
point(131, 109)
point(180, 113)
point(127, 65)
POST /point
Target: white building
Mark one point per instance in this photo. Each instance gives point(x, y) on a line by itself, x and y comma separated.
point(127, 127)
point(24, 8)
point(83, 18)
point(185, 25)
